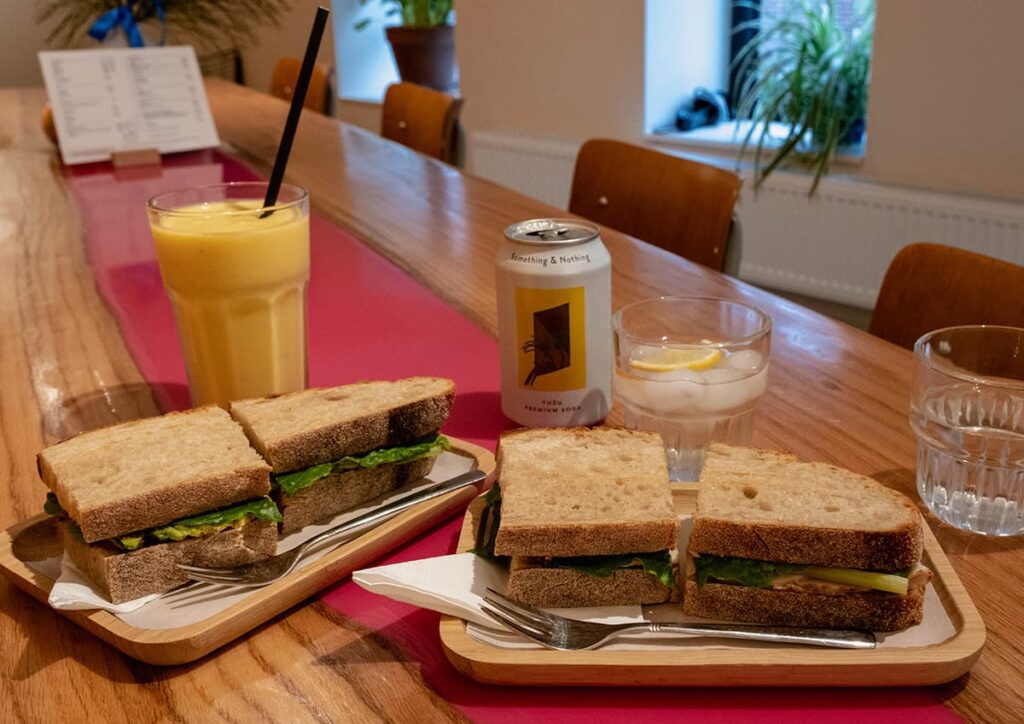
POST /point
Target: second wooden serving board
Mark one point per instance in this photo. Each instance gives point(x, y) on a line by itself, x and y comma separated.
point(729, 665)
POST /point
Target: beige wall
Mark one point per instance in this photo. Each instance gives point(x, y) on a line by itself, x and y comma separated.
point(947, 96)
point(569, 69)
point(20, 40)
point(288, 40)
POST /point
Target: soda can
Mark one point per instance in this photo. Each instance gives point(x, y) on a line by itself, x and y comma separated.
point(554, 284)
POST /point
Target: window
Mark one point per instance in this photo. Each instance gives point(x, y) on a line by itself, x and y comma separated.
point(842, 25)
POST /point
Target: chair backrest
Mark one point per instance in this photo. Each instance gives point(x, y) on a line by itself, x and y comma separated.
point(285, 76)
point(679, 205)
point(422, 119)
point(930, 286)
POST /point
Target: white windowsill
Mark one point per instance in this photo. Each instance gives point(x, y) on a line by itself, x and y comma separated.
point(728, 138)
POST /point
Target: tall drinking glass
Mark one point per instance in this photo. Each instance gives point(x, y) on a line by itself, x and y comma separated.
point(967, 410)
point(237, 278)
point(692, 370)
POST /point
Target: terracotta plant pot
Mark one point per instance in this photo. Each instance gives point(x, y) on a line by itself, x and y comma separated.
point(425, 56)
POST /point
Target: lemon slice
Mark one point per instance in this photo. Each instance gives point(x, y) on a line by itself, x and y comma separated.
point(666, 360)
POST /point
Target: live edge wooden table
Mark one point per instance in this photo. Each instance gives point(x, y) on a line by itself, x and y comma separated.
point(836, 394)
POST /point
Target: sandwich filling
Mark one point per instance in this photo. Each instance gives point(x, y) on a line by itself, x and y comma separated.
point(196, 526)
point(817, 579)
point(428, 447)
point(657, 564)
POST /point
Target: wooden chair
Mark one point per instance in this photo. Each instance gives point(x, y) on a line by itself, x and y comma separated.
point(930, 286)
point(679, 205)
point(422, 119)
point(286, 74)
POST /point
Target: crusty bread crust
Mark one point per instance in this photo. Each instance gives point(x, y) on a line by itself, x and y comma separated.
point(829, 547)
point(866, 611)
point(343, 491)
point(781, 533)
point(124, 576)
point(583, 539)
point(149, 472)
point(565, 588)
point(581, 491)
point(347, 420)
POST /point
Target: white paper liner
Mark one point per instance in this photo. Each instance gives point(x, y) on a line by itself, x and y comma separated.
point(455, 585)
point(194, 603)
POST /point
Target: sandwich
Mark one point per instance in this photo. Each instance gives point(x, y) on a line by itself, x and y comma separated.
point(779, 541)
point(137, 499)
point(586, 517)
point(333, 449)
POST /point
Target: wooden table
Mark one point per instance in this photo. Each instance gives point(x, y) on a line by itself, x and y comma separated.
point(836, 394)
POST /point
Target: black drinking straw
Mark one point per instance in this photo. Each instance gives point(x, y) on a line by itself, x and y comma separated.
point(301, 86)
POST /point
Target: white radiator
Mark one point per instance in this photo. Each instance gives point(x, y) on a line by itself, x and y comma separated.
point(835, 246)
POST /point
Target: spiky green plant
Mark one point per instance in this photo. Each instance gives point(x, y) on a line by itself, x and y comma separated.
point(218, 23)
point(808, 72)
point(414, 13)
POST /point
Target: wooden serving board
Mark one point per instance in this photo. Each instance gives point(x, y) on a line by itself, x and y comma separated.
point(36, 539)
point(729, 666)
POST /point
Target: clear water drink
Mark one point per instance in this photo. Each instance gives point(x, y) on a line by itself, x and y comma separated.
point(692, 370)
point(967, 411)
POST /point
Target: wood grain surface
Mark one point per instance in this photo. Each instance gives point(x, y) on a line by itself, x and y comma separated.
point(835, 394)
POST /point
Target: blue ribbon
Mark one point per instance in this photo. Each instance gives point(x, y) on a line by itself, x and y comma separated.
point(122, 15)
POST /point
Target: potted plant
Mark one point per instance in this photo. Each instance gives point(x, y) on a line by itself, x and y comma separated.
point(808, 73)
point(424, 43)
point(227, 23)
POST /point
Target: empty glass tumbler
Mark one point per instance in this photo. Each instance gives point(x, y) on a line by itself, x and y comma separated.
point(967, 410)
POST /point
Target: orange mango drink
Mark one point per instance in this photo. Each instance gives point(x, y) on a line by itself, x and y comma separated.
point(237, 281)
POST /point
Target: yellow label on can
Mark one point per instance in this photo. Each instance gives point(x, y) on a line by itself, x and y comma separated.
point(551, 337)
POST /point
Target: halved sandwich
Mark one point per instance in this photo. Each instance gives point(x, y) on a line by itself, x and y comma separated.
point(586, 516)
point(137, 499)
point(335, 448)
point(779, 541)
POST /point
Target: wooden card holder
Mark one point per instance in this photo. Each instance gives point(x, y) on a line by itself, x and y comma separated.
point(135, 157)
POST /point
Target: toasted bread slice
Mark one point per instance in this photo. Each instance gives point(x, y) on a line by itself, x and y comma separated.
point(124, 576)
point(149, 472)
point(316, 426)
point(771, 507)
point(581, 492)
point(862, 611)
point(547, 587)
point(343, 491)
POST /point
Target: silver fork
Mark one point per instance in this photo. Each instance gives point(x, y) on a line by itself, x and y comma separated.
point(566, 634)
point(271, 569)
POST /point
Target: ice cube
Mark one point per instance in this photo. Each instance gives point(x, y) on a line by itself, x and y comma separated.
point(677, 397)
point(745, 359)
point(722, 375)
point(682, 375)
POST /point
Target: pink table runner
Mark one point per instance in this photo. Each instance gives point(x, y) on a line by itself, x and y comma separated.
point(368, 319)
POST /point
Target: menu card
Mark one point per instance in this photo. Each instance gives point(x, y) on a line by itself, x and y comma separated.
point(124, 99)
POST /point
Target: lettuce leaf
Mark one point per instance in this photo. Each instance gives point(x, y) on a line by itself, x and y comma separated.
point(490, 519)
point(657, 564)
point(761, 574)
point(193, 527)
point(52, 507)
point(291, 483)
point(745, 571)
point(215, 521)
